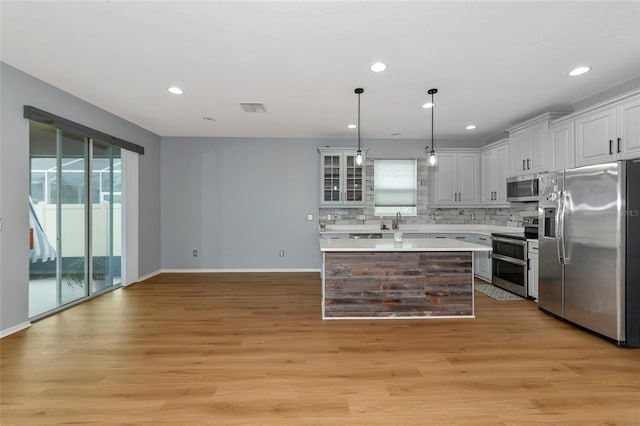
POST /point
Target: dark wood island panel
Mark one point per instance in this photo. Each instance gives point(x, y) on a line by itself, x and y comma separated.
point(398, 284)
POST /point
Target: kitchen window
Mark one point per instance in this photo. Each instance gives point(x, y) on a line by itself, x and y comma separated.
point(395, 187)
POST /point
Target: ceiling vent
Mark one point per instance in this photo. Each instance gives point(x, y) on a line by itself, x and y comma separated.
point(253, 107)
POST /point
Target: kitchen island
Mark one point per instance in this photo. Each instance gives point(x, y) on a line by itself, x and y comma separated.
point(380, 278)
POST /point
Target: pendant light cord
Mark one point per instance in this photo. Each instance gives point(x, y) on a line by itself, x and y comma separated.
point(432, 108)
point(358, 121)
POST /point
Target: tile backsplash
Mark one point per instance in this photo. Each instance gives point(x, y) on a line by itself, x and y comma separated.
point(512, 216)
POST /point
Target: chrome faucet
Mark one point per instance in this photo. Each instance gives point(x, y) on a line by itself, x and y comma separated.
point(396, 223)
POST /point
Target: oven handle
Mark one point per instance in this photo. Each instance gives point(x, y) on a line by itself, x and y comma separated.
point(510, 241)
point(509, 259)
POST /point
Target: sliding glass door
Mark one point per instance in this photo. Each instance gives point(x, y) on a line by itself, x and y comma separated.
point(106, 215)
point(75, 218)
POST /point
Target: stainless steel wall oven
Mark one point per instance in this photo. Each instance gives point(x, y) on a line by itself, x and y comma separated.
point(509, 262)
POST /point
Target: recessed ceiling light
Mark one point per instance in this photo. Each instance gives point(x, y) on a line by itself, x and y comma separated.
point(470, 127)
point(428, 105)
point(175, 90)
point(579, 71)
point(352, 126)
point(378, 67)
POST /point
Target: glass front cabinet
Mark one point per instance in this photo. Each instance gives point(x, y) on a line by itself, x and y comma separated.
point(342, 181)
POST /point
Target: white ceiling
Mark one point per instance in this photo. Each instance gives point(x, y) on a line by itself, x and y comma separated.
point(494, 63)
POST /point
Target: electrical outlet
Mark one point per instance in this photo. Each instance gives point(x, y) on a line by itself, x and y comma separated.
point(195, 253)
point(281, 253)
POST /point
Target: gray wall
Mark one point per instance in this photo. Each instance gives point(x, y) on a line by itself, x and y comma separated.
point(239, 201)
point(18, 89)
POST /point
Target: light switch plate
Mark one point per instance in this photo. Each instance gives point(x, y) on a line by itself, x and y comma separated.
point(309, 217)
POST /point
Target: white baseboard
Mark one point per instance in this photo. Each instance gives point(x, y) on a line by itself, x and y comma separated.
point(14, 329)
point(198, 271)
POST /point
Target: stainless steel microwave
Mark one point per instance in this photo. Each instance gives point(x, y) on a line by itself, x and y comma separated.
point(522, 188)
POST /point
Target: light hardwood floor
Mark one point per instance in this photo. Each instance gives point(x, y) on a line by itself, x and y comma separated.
point(235, 349)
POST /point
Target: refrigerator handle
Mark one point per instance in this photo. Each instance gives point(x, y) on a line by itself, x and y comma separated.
point(557, 230)
point(565, 199)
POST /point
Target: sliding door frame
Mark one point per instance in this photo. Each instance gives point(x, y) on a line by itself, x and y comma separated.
point(129, 156)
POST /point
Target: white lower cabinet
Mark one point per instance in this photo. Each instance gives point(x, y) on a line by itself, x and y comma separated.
point(482, 259)
point(533, 265)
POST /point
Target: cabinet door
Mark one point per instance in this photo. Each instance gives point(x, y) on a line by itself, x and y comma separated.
point(468, 178)
point(520, 146)
point(537, 161)
point(532, 278)
point(501, 171)
point(353, 180)
point(482, 265)
point(331, 179)
point(488, 177)
point(629, 128)
point(562, 144)
point(446, 187)
point(595, 134)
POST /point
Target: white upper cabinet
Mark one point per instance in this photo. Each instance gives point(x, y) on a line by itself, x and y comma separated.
point(342, 181)
point(454, 182)
point(609, 133)
point(629, 128)
point(495, 169)
point(562, 146)
point(529, 145)
point(595, 134)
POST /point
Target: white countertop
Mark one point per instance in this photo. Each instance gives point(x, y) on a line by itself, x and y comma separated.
point(416, 229)
point(410, 244)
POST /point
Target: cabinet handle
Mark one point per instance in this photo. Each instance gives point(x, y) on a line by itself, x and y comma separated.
point(455, 196)
point(619, 145)
point(523, 167)
point(528, 164)
point(610, 147)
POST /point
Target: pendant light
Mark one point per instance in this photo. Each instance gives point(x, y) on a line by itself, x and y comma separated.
point(433, 160)
point(359, 91)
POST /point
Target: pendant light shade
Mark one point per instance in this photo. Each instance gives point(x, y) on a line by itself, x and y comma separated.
point(359, 91)
point(432, 160)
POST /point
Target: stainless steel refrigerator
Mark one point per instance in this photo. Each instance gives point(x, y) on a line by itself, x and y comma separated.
point(589, 248)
